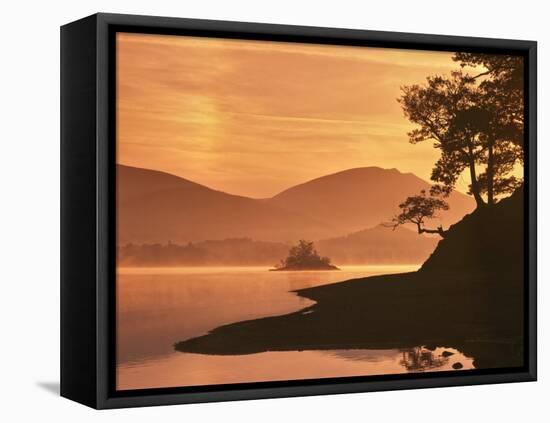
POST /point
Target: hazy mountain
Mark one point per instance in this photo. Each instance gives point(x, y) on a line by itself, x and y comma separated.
point(378, 245)
point(158, 207)
point(360, 198)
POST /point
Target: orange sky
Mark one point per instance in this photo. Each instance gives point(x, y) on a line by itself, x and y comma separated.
point(254, 118)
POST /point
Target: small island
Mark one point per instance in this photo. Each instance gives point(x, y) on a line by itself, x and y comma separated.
point(304, 256)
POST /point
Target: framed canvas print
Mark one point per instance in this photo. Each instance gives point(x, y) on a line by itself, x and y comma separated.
point(255, 211)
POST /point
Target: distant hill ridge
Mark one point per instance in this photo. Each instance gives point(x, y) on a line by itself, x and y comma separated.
point(363, 197)
point(380, 245)
point(157, 207)
point(134, 183)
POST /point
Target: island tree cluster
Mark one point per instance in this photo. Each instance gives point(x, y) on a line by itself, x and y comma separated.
point(304, 256)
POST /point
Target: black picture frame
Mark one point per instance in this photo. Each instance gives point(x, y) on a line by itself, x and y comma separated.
point(88, 209)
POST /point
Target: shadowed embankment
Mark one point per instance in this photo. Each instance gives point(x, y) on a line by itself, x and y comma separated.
point(467, 295)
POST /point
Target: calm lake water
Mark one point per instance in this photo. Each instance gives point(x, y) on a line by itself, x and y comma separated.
point(157, 307)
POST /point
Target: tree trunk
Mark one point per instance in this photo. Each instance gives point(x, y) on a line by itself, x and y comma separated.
point(438, 231)
point(490, 175)
point(473, 177)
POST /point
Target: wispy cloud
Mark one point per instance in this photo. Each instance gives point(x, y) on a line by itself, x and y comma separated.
point(252, 117)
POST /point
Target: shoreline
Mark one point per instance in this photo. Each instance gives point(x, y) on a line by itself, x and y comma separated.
point(298, 269)
point(416, 311)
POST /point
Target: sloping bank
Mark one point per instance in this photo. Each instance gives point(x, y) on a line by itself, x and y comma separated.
point(467, 295)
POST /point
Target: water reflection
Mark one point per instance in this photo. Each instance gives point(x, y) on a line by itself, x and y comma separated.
point(416, 359)
point(421, 359)
point(186, 369)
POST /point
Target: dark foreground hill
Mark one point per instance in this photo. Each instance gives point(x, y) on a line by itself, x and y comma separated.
point(468, 295)
point(489, 240)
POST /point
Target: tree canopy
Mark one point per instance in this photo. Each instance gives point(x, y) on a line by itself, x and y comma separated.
point(475, 120)
point(419, 208)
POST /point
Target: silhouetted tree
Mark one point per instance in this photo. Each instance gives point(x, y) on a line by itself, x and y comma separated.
point(419, 208)
point(501, 85)
point(503, 76)
point(440, 108)
point(476, 121)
